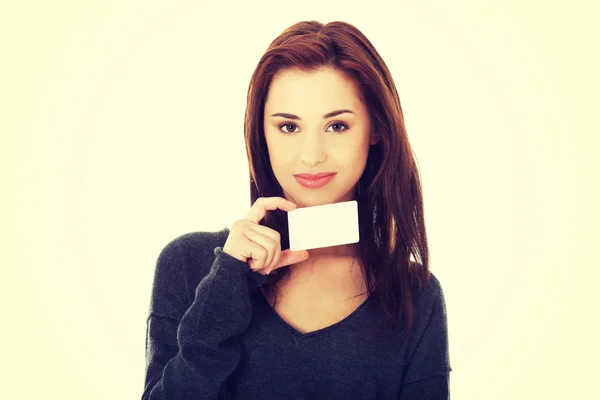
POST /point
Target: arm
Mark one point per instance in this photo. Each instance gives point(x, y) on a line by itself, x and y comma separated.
point(432, 388)
point(427, 373)
point(192, 351)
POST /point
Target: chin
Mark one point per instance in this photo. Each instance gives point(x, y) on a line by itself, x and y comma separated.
point(311, 201)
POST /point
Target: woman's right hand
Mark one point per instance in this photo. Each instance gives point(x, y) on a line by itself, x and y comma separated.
point(260, 246)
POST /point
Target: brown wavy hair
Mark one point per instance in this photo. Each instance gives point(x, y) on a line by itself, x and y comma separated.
point(389, 197)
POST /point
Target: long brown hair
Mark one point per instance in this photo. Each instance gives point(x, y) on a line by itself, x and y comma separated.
point(388, 194)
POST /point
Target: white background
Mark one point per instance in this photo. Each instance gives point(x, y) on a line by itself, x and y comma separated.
point(122, 127)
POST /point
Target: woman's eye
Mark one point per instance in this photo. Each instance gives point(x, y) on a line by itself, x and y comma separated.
point(341, 127)
point(340, 124)
point(286, 125)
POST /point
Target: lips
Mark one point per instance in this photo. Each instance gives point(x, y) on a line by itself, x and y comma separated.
point(314, 181)
point(314, 176)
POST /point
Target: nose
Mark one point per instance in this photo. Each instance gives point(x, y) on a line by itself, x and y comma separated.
point(312, 149)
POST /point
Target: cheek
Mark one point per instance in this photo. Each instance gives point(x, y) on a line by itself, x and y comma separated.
point(281, 164)
point(280, 157)
point(351, 155)
point(352, 162)
point(275, 151)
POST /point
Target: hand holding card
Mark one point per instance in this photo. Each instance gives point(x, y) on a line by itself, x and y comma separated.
point(260, 246)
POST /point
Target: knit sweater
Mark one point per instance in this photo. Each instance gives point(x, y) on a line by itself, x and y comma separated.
point(210, 334)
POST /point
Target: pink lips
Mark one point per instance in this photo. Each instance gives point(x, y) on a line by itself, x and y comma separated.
point(314, 181)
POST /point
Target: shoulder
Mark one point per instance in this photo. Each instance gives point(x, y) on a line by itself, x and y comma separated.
point(198, 245)
point(427, 352)
point(432, 289)
point(429, 302)
point(187, 258)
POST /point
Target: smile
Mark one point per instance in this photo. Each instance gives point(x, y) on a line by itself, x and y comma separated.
point(314, 183)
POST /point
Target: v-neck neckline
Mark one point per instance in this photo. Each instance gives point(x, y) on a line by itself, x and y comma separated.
point(299, 335)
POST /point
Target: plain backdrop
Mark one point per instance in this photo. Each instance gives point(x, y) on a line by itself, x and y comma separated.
point(122, 128)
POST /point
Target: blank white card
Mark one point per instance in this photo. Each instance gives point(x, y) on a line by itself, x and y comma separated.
point(323, 226)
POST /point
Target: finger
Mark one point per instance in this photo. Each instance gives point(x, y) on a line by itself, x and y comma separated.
point(262, 204)
point(276, 257)
point(259, 256)
point(289, 257)
point(276, 253)
point(255, 260)
point(265, 230)
point(273, 246)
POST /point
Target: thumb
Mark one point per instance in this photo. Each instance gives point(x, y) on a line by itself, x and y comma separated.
point(289, 257)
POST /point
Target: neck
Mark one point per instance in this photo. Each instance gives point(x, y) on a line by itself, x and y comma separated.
point(336, 266)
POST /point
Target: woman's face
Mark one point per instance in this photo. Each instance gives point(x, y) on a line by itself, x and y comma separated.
point(303, 141)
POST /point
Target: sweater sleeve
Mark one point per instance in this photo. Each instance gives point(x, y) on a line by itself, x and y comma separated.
point(427, 374)
point(192, 350)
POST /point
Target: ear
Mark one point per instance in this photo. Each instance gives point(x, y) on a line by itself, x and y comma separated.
point(375, 138)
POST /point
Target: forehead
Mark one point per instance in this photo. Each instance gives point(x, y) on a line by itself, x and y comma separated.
point(320, 91)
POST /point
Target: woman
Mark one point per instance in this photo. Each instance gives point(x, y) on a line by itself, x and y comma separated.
point(358, 321)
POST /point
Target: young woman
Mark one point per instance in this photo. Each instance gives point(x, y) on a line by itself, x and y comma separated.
point(235, 314)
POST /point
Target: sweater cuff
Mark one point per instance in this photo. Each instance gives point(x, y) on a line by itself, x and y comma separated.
point(256, 279)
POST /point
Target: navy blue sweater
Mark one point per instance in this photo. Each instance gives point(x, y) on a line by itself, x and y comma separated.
point(211, 334)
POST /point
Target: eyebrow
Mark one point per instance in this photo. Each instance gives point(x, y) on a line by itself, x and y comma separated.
point(328, 115)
